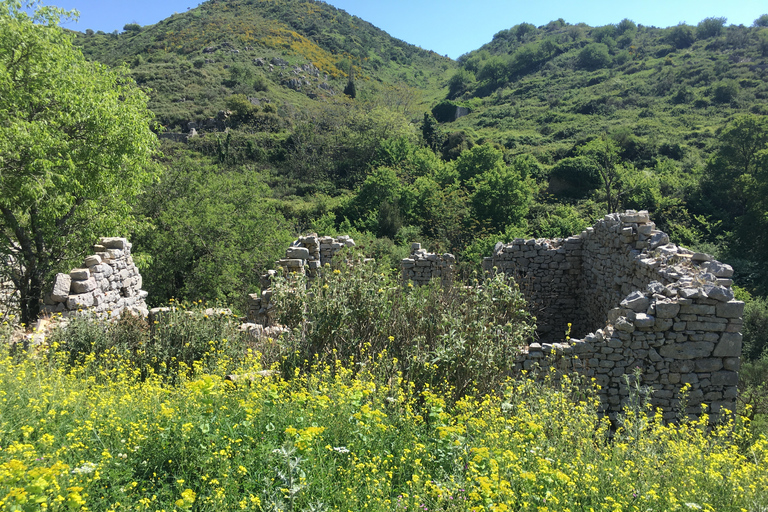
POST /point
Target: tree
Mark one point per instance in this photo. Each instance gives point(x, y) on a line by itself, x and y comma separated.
point(501, 198)
point(761, 21)
point(604, 152)
point(350, 90)
point(594, 56)
point(709, 27)
point(75, 148)
point(681, 36)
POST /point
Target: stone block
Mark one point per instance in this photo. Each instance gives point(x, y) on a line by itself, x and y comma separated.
point(729, 345)
point(83, 286)
point(91, 261)
point(725, 378)
point(712, 364)
point(75, 302)
point(114, 243)
point(294, 252)
point(79, 274)
point(667, 309)
point(61, 287)
point(730, 309)
point(687, 350)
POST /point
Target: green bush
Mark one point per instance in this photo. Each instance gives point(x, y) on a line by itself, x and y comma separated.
point(755, 329)
point(462, 337)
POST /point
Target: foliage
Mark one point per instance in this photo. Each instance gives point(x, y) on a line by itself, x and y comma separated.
point(211, 233)
point(710, 27)
point(594, 56)
point(755, 329)
point(94, 436)
point(501, 198)
point(460, 336)
point(75, 148)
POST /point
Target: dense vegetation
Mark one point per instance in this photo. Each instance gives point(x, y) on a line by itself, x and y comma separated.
point(286, 116)
point(182, 415)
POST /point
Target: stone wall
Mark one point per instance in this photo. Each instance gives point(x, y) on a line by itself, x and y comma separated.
point(635, 302)
point(107, 284)
point(421, 267)
point(9, 297)
point(307, 255)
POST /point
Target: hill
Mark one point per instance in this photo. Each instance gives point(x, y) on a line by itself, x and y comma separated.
point(297, 53)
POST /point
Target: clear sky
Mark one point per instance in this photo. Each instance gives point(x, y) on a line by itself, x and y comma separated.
point(449, 27)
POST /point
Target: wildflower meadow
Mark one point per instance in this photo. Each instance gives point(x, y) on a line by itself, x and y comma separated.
point(188, 416)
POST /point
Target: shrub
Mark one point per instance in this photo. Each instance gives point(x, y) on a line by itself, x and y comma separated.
point(594, 56)
point(460, 336)
point(709, 27)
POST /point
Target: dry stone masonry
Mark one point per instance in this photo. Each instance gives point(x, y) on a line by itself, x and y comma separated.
point(307, 255)
point(421, 267)
point(107, 284)
point(636, 303)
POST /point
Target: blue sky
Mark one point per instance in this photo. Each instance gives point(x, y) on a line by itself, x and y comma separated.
point(449, 27)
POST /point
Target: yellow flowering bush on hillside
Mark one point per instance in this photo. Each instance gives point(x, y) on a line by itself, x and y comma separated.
point(100, 435)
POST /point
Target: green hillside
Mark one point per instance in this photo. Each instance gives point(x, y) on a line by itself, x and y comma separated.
point(295, 53)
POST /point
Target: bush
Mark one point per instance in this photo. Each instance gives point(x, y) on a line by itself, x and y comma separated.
point(755, 329)
point(459, 336)
point(709, 27)
point(594, 56)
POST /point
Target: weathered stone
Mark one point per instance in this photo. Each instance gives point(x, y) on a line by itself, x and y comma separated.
point(113, 243)
point(91, 261)
point(297, 252)
point(61, 287)
point(636, 301)
point(725, 378)
point(731, 309)
point(709, 364)
point(83, 286)
point(687, 350)
point(80, 274)
point(729, 345)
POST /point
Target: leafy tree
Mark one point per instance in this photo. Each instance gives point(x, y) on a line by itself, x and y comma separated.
point(681, 36)
point(725, 91)
point(501, 198)
point(478, 160)
point(212, 232)
point(575, 177)
point(350, 89)
point(75, 148)
point(761, 21)
point(709, 27)
point(594, 56)
point(430, 132)
point(604, 153)
point(626, 26)
point(461, 82)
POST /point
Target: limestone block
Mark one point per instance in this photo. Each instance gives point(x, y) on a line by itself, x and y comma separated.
point(718, 269)
point(709, 364)
point(643, 321)
point(636, 301)
point(725, 378)
point(297, 252)
point(729, 345)
point(687, 350)
point(79, 274)
point(730, 309)
point(719, 293)
point(83, 286)
point(91, 261)
point(75, 302)
point(61, 287)
point(113, 243)
point(667, 309)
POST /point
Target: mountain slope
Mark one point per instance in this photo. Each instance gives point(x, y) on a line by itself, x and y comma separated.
point(285, 51)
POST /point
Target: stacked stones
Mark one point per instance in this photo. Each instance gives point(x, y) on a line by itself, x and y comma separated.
point(655, 308)
point(304, 256)
point(547, 272)
point(106, 285)
point(421, 267)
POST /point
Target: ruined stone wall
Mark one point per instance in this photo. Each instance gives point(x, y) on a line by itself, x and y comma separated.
point(636, 303)
point(307, 255)
point(548, 272)
point(421, 267)
point(107, 284)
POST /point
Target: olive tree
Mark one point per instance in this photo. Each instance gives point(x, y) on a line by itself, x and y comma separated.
point(75, 148)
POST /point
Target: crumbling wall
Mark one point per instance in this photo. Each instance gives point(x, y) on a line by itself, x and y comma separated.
point(421, 267)
point(107, 284)
point(636, 303)
point(307, 255)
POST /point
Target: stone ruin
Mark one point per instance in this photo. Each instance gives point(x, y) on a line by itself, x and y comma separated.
point(107, 284)
point(421, 267)
point(619, 299)
point(307, 255)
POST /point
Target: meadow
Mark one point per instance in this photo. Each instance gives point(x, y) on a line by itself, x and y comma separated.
point(184, 415)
